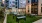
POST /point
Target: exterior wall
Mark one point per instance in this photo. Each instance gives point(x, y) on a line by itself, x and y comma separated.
point(28, 5)
point(21, 10)
point(18, 10)
point(39, 7)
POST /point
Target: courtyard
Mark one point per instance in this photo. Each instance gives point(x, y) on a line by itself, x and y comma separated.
point(29, 19)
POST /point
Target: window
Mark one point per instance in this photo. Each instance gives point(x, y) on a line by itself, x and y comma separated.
point(32, 1)
point(28, 8)
point(36, 4)
point(35, 9)
point(16, 3)
point(13, 5)
point(16, 0)
point(33, 4)
point(13, 2)
point(41, 9)
point(7, 1)
point(41, 4)
point(2, 4)
point(36, 0)
point(28, 1)
point(16, 6)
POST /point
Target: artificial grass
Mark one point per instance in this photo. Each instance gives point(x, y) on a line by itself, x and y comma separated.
point(10, 19)
point(28, 19)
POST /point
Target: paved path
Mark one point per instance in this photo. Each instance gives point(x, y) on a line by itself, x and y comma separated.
point(38, 21)
point(5, 20)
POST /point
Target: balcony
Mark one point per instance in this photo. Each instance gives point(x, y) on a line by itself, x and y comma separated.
point(34, 10)
point(34, 6)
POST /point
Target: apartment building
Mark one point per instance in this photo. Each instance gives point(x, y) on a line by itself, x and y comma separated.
point(34, 7)
point(28, 6)
point(16, 6)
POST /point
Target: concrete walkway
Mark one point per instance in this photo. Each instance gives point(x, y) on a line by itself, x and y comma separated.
point(38, 21)
point(5, 19)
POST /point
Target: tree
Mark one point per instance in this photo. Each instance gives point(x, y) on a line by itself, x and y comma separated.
point(1, 13)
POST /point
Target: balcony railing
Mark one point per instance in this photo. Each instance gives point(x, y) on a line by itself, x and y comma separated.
point(34, 6)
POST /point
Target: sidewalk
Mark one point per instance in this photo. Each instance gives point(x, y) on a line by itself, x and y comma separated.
point(5, 20)
point(38, 21)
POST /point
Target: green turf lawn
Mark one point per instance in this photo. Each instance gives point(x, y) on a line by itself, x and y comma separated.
point(28, 19)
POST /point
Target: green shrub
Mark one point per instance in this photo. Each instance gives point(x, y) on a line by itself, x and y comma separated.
point(1, 13)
